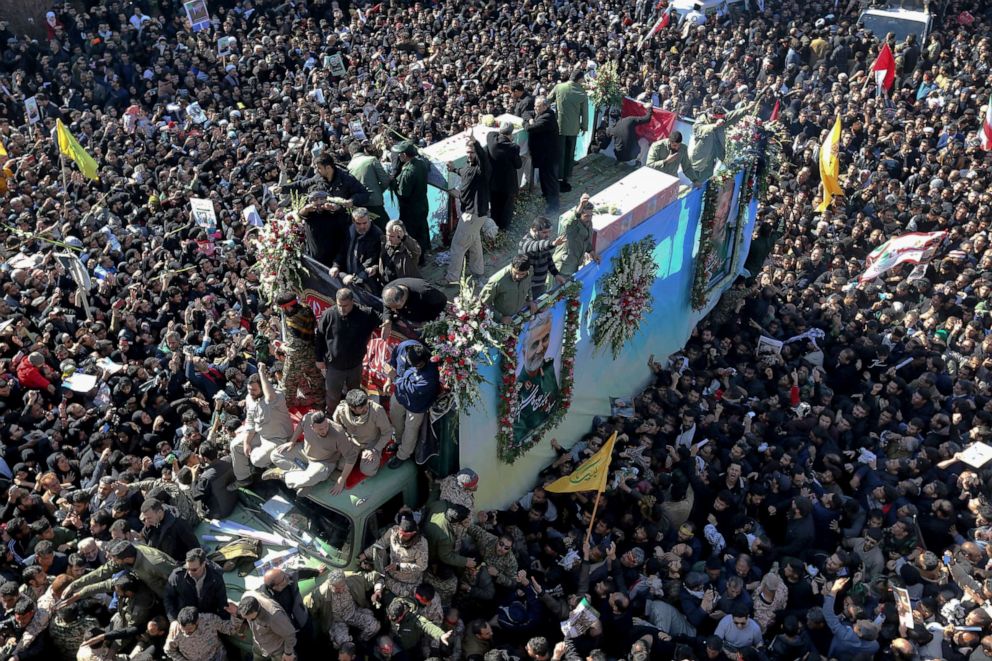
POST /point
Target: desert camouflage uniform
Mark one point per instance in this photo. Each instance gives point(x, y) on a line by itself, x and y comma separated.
point(505, 564)
point(411, 562)
point(335, 612)
point(434, 612)
point(68, 637)
point(454, 493)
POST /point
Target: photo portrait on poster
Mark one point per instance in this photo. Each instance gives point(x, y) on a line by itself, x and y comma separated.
point(724, 236)
point(538, 371)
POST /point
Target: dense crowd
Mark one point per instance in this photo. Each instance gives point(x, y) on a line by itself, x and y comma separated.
point(770, 505)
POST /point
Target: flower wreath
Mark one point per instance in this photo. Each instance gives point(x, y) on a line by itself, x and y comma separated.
point(624, 295)
point(461, 336)
point(509, 390)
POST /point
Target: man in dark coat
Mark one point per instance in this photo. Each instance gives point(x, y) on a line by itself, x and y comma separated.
point(411, 190)
point(413, 301)
point(358, 260)
point(523, 103)
point(198, 583)
point(542, 139)
point(211, 487)
point(625, 145)
point(505, 157)
point(164, 531)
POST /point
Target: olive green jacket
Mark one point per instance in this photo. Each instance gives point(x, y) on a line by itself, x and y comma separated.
point(572, 108)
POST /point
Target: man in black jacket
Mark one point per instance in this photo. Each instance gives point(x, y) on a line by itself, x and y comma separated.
point(358, 260)
point(542, 139)
point(505, 157)
point(343, 333)
point(164, 531)
point(198, 583)
point(625, 145)
point(523, 103)
point(474, 197)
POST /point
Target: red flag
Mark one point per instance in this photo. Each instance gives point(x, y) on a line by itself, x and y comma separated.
point(661, 124)
point(884, 68)
point(778, 106)
point(662, 22)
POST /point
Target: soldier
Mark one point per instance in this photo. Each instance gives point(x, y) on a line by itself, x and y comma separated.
point(303, 383)
point(335, 611)
point(272, 631)
point(410, 184)
point(577, 230)
point(710, 138)
point(150, 566)
point(537, 381)
point(194, 636)
point(669, 154)
point(497, 554)
point(405, 555)
point(409, 627)
point(573, 118)
point(367, 426)
point(317, 448)
point(508, 291)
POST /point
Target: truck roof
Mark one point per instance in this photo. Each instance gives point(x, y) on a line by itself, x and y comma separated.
point(369, 494)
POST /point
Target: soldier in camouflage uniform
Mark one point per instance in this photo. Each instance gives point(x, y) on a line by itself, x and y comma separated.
point(459, 489)
point(442, 520)
point(335, 611)
point(497, 553)
point(178, 498)
point(405, 555)
point(408, 627)
point(303, 383)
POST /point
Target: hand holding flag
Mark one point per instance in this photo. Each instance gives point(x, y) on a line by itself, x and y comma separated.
point(70, 147)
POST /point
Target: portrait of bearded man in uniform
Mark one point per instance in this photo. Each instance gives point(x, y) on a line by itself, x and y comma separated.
point(537, 379)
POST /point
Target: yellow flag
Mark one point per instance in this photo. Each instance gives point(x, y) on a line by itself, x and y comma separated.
point(3, 150)
point(69, 146)
point(591, 475)
point(830, 167)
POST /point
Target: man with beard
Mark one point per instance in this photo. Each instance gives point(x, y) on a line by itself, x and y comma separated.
point(410, 183)
point(505, 155)
point(542, 142)
point(402, 553)
point(326, 222)
point(367, 426)
point(537, 381)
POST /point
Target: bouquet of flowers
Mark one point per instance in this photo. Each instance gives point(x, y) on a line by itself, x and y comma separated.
point(742, 142)
point(604, 89)
point(624, 295)
point(460, 337)
point(278, 247)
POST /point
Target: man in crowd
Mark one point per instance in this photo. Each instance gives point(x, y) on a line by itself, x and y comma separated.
point(410, 183)
point(573, 117)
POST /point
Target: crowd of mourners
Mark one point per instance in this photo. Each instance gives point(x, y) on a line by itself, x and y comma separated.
point(762, 505)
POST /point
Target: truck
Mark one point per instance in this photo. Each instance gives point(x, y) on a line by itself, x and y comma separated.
point(900, 17)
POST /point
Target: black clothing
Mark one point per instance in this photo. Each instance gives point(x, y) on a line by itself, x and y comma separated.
point(341, 339)
point(625, 145)
point(424, 302)
point(181, 591)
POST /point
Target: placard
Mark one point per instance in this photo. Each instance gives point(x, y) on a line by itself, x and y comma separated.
point(225, 45)
point(198, 15)
point(203, 212)
point(357, 130)
point(336, 64)
point(904, 607)
point(252, 217)
point(80, 382)
point(976, 455)
point(76, 269)
point(31, 110)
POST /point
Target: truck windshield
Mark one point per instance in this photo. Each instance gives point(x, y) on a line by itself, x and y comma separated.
point(323, 533)
point(880, 24)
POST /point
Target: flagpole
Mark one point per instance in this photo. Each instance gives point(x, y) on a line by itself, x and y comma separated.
point(65, 183)
point(592, 520)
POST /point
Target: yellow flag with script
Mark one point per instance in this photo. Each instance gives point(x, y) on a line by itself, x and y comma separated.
point(591, 475)
point(69, 146)
point(830, 167)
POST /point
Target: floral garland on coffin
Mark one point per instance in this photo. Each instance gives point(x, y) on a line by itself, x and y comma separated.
point(624, 295)
point(461, 336)
point(604, 89)
point(508, 405)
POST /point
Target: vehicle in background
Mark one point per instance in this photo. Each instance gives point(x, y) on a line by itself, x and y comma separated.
point(900, 17)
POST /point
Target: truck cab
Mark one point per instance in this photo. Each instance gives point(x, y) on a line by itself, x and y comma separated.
point(900, 17)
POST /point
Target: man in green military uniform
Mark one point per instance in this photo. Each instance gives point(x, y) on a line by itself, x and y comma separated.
point(408, 626)
point(537, 382)
point(669, 154)
point(151, 566)
point(509, 290)
point(369, 171)
point(577, 230)
point(573, 109)
point(441, 537)
point(410, 184)
point(710, 138)
point(497, 553)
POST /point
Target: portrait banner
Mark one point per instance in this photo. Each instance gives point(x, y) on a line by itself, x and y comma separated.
point(198, 15)
point(538, 364)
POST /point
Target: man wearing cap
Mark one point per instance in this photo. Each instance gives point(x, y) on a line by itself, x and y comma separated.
point(577, 230)
point(272, 631)
point(316, 449)
point(505, 157)
point(573, 117)
point(408, 627)
point(334, 610)
point(710, 137)
point(367, 427)
point(410, 184)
